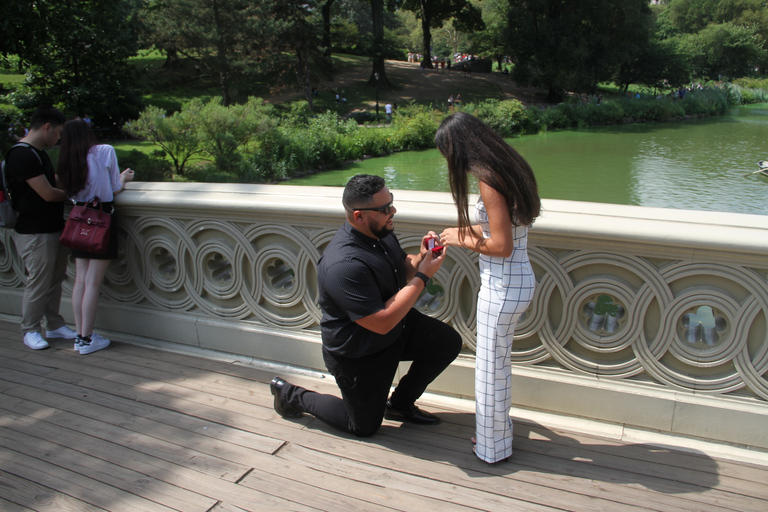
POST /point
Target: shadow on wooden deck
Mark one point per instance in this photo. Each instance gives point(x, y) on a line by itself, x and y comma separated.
point(136, 429)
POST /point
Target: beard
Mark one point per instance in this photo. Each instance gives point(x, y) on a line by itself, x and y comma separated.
point(382, 231)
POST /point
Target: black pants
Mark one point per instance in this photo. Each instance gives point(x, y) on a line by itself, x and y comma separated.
point(365, 382)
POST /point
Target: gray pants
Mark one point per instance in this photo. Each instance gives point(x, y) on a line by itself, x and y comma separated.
point(46, 262)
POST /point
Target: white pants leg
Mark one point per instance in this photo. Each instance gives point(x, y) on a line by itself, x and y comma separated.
point(498, 309)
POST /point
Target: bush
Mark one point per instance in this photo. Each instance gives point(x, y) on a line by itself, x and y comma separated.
point(507, 117)
point(11, 127)
point(147, 167)
point(414, 132)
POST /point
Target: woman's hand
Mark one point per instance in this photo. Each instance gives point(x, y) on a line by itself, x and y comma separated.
point(450, 237)
point(126, 175)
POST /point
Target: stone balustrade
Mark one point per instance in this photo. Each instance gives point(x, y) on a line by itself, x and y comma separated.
point(649, 318)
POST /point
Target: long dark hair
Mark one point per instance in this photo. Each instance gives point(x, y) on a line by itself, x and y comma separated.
point(77, 139)
point(471, 147)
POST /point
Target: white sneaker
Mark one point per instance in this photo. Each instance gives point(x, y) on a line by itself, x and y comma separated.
point(34, 341)
point(97, 342)
point(62, 332)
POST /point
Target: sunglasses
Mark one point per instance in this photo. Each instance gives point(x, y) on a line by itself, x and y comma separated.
point(386, 209)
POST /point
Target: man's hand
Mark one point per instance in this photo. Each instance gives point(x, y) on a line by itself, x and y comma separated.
point(431, 262)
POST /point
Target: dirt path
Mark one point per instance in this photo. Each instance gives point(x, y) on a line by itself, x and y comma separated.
point(412, 83)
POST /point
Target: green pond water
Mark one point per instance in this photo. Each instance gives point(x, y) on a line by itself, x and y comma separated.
point(699, 165)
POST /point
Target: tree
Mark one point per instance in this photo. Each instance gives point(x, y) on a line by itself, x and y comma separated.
point(742, 25)
point(224, 36)
point(660, 65)
point(572, 46)
point(176, 135)
point(327, 27)
point(20, 26)
point(225, 130)
point(378, 72)
point(494, 40)
point(724, 50)
point(433, 13)
point(294, 44)
point(79, 57)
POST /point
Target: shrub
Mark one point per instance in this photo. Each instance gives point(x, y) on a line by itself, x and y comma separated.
point(11, 127)
point(147, 167)
point(508, 117)
point(414, 132)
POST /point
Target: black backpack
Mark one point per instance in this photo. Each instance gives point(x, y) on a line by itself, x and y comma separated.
point(9, 216)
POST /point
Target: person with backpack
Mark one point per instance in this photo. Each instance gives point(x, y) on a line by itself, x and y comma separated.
point(32, 183)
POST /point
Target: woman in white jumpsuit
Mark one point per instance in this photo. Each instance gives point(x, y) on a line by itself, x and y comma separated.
point(508, 204)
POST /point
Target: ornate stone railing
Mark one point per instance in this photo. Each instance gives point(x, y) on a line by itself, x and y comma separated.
point(650, 303)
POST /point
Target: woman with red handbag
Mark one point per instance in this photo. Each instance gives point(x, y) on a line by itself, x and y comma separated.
point(89, 171)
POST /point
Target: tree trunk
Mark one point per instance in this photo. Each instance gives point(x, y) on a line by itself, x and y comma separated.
point(221, 58)
point(304, 77)
point(327, 28)
point(377, 16)
point(426, 19)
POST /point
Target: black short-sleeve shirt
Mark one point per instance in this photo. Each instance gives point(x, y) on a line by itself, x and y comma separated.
point(36, 215)
point(356, 276)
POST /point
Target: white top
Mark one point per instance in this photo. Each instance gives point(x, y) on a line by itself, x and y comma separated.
point(388, 108)
point(103, 175)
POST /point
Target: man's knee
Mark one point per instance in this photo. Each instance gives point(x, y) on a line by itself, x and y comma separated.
point(367, 429)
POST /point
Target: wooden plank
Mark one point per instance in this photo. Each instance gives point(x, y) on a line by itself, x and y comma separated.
point(311, 495)
point(186, 477)
point(95, 467)
point(582, 475)
point(409, 488)
point(28, 493)
point(139, 442)
point(175, 397)
point(218, 440)
point(76, 485)
point(131, 406)
point(7, 506)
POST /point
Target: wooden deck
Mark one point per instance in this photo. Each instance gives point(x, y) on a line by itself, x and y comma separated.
point(136, 429)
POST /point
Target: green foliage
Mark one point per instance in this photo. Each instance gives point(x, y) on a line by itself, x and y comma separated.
point(78, 59)
point(414, 132)
point(176, 135)
point(223, 131)
point(506, 117)
point(724, 50)
point(249, 143)
point(147, 167)
point(573, 46)
point(11, 127)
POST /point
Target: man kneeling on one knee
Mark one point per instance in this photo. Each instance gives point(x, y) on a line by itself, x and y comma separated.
point(367, 288)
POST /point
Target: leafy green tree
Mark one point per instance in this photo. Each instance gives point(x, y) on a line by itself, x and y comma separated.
point(326, 9)
point(724, 50)
point(733, 27)
point(176, 135)
point(494, 40)
point(78, 57)
point(434, 13)
point(223, 131)
point(225, 37)
point(660, 65)
point(21, 25)
point(572, 46)
point(378, 72)
point(295, 49)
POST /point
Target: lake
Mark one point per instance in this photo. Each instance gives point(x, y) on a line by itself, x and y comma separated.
point(705, 164)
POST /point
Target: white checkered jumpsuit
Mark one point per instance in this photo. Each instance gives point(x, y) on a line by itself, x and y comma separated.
point(506, 290)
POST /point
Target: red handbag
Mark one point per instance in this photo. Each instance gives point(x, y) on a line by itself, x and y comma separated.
point(88, 228)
